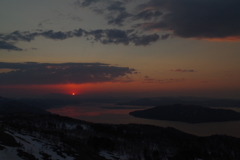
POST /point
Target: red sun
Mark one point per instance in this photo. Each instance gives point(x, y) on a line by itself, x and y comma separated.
point(73, 94)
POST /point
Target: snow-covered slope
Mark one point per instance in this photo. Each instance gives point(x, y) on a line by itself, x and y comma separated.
point(32, 147)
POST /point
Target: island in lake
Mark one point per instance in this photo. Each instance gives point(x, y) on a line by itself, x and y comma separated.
point(187, 113)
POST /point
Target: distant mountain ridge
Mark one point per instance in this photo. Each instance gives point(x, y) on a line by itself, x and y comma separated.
point(203, 101)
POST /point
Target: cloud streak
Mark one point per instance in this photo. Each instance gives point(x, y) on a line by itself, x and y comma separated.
point(147, 79)
point(148, 15)
point(183, 70)
point(160, 81)
point(29, 73)
point(116, 12)
point(107, 36)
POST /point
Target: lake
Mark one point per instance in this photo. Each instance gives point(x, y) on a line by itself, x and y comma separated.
point(117, 114)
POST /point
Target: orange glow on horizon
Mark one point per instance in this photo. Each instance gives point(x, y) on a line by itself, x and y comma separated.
point(226, 39)
point(122, 89)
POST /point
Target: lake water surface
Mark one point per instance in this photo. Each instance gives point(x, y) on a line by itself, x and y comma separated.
point(115, 114)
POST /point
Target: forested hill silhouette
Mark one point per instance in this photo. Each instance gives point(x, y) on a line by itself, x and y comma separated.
point(187, 113)
point(8, 105)
point(49, 136)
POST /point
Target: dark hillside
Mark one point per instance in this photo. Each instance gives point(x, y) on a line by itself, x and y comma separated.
point(91, 141)
point(16, 106)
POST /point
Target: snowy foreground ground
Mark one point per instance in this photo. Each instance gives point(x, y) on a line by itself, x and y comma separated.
point(32, 147)
point(53, 137)
point(35, 147)
point(39, 148)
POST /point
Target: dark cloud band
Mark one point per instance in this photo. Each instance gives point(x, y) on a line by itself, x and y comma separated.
point(107, 36)
point(63, 73)
point(8, 46)
point(196, 18)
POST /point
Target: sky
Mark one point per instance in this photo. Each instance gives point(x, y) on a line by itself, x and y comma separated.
point(139, 48)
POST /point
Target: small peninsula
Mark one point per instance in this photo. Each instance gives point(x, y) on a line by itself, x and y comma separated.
point(187, 113)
